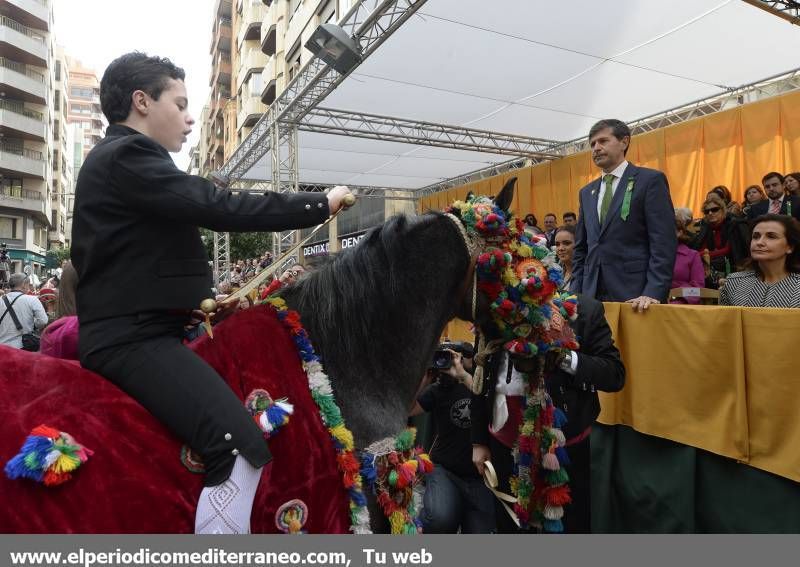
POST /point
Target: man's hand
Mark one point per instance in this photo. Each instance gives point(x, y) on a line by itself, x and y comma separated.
point(480, 454)
point(335, 197)
point(642, 303)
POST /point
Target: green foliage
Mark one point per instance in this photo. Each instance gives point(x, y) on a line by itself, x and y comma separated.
point(56, 256)
point(243, 244)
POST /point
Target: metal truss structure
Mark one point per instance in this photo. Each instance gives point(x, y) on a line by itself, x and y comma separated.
point(370, 23)
point(391, 129)
point(786, 9)
point(771, 86)
point(478, 175)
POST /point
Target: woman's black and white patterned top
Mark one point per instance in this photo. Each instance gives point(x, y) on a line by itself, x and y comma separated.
point(747, 290)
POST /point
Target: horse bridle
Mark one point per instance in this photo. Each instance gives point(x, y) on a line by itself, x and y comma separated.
point(474, 245)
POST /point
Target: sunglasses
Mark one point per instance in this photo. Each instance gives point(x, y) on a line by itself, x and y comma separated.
point(712, 210)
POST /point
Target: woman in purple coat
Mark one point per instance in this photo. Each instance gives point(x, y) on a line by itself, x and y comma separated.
point(688, 271)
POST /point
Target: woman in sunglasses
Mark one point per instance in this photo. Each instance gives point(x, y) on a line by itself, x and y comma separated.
point(722, 240)
point(772, 275)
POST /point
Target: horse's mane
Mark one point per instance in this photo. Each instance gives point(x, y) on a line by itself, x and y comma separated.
point(374, 312)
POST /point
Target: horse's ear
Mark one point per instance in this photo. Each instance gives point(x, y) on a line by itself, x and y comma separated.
point(506, 196)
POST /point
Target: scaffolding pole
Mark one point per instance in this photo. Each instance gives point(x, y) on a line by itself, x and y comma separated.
point(370, 23)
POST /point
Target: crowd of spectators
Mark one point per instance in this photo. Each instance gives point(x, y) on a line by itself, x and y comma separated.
point(717, 244)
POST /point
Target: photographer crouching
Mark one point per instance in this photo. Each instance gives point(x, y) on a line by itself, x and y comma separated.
point(456, 498)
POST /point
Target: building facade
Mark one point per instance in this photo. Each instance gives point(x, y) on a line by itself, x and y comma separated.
point(212, 120)
point(84, 104)
point(61, 161)
point(27, 131)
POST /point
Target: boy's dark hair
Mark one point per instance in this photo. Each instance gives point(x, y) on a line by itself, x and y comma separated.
point(569, 214)
point(134, 72)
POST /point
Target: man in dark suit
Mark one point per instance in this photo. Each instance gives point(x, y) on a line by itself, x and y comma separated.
point(572, 381)
point(550, 226)
point(143, 269)
point(625, 241)
point(777, 202)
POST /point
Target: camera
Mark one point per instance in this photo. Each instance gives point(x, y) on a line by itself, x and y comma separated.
point(443, 358)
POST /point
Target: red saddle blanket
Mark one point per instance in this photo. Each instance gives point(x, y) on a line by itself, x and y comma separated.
point(135, 482)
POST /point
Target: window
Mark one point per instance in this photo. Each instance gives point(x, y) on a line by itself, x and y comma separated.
point(327, 14)
point(255, 84)
point(39, 235)
point(57, 101)
point(293, 61)
point(58, 71)
point(12, 146)
point(10, 227)
point(81, 92)
point(80, 109)
point(294, 5)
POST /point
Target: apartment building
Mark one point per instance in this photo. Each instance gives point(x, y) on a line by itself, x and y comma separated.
point(212, 119)
point(84, 104)
point(249, 62)
point(27, 131)
point(58, 235)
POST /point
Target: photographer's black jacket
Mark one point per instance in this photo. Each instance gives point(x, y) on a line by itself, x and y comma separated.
point(599, 368)
point(136, 245)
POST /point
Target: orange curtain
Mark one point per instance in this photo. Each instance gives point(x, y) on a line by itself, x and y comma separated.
point(761, 140)
point(683, 146)
point(790, 131)
point(734, 148)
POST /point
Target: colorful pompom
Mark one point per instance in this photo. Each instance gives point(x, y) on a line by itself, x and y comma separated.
point(48, 456)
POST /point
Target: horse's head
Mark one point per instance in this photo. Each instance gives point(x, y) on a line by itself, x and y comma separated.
point(473, 304)
point(511, 289)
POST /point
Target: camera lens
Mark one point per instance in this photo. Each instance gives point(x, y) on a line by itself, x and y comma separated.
point(442, 360)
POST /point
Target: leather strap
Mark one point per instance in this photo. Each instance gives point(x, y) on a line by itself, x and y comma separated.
point(9, 309)
point(490, 480)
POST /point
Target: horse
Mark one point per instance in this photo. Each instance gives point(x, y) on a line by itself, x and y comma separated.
point(374, 313)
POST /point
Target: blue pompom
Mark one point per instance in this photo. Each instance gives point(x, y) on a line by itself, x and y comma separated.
point(553, 526)
point(563, 456)
point(559, 418)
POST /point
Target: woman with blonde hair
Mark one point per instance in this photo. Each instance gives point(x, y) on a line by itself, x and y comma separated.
point(722, 238)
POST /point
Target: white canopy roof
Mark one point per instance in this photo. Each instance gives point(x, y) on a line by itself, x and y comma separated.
point(538, 68)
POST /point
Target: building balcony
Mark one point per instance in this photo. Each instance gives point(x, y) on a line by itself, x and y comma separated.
point(221, 73)
point(253, 14)
point(221, 40)
point(223, 8)
point(21, 83)
point(32, 13)
point(17, 122)
point(270, 79)
point(252, 61)
point(269, 27)
point(21, 43)
point(58, 236)
point(251, 111)
point(28, 201)
point(16, 162)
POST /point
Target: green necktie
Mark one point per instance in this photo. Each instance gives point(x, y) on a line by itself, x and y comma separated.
point(607, 196)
